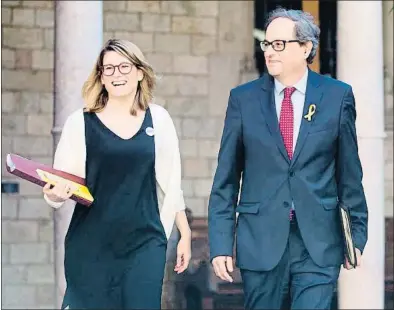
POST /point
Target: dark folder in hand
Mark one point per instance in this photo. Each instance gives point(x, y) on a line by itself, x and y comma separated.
point(41, 174)
point(350, 249)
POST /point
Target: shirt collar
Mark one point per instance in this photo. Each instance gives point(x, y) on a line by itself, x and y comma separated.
point(300, 85)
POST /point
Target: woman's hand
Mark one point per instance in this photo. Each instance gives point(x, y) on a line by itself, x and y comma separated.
point(58, 193)
point(184, 251)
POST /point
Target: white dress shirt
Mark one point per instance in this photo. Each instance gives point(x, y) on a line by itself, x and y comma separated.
point(298, 99)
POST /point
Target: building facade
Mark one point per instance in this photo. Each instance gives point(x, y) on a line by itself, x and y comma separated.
point(201, 49)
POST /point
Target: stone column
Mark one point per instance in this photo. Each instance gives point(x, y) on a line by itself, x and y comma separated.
point(360, 63)
point(78, 40)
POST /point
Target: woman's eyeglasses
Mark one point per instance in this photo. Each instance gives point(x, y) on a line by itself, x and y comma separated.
point(124, 68)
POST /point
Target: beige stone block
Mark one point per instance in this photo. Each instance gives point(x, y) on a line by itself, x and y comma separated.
point(43, 59)
point(167, 85)
point(40, 274)
point(205, 8)
point(122, 21)
point(49, 38)
point(388, 169)
point(202, 187)
point(161, 63)
point(143, 6)
point(6, 147)
point(187, 187)
point(18, 296)
point(234, 30)
point(13, 125)
point(197, 205)
point(10, 3)
point(45, 18)
point(155, 23)
point(176, 7)
point(8, 58)
point(22, 38)
point(9, 101)
point(27, 80)
point(29, 253)
point(143, 40)
point(172, 43)
point(224, 75)
point(29, 103)
point(29, 189)
point(14, 274)
point(208, 148)
point(39, 124)
point(32, 146)
point(46, 230)
point(211, 128)
point(188, 148)
point(9, 205)
point(6, 15)
point(23, 59)
point(190, 8)
point(194, 25)
point(193, 85)
point(213, 164)
point(39, 4)
point(46, 101)
point(178, 125)
point(187, 64)
point(187, 106)
point(5, 253)
point(23, 17)
point(33, 209)
point(203, 45)
point(19, 231)
point(114, 6)
point(191, 127)
point(46, 294)
point(196, 168)
point(108, 35)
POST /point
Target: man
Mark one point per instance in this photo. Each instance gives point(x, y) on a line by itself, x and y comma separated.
point(291, 136)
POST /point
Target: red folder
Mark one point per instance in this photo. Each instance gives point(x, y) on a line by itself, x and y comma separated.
point(41, 174)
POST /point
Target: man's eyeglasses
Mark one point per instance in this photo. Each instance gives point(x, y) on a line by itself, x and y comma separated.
point(124, 68)
point(277, 45)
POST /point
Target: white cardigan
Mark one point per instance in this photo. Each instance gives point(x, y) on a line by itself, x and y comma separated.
point(70, 156)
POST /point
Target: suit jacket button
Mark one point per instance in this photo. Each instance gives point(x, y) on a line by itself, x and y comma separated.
point(291, 173)
point(286, 204)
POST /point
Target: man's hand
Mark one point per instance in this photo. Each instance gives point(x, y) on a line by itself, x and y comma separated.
point(222, 265)
point(348, 266)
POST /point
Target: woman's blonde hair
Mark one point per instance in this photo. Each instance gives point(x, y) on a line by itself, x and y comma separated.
point(94, 93)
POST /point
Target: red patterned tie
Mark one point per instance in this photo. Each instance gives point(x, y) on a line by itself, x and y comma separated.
point(286, 125)
point(286, 121)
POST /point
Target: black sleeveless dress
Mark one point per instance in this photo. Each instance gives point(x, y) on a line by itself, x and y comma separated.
point(115, 250)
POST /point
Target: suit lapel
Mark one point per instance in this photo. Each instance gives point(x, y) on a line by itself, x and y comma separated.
point(270, 115)
point(313, 96)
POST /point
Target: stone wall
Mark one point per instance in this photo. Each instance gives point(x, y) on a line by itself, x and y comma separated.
point(201, 50)
point(27, 109)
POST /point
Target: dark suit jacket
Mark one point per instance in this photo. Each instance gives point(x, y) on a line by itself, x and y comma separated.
point(325, 169)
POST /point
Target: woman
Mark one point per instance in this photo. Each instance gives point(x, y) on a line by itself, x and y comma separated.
point(127, 150)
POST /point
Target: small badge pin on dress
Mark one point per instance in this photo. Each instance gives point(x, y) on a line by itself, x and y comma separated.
point(150, 131)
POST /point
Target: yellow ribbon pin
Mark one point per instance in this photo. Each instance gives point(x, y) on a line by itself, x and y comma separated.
point(311, 111)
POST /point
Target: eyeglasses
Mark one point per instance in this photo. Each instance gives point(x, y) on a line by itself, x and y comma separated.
point(124, 68)
point(277, 45)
